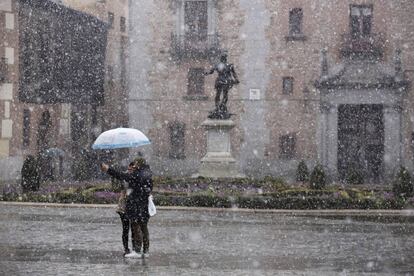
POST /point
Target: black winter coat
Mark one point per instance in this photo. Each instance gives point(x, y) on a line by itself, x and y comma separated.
point(140, 181)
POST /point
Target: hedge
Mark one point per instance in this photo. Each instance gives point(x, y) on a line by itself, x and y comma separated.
point(227, 196)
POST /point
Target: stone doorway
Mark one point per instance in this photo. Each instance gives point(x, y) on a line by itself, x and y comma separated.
point(361, 141)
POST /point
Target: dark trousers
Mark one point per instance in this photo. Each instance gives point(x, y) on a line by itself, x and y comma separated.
point(125, 230)
point(140, 236)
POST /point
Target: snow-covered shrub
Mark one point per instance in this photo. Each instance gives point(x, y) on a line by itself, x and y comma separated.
point(317, 178)
point(30, 175)
point(302, 173)
point(354, 176)
point(10, 193)
point(403, 184)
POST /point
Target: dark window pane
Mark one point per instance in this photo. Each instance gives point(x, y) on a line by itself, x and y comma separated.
point(111, 19)
point(287, 85)
point(3, 69)
point(26, 127)
point(177, 141)
point(287, 146)
point(412, 142)
point(78, 126)
point(124, 43)
point(122, 24)
point(295, 21)
point(44, 127)
point(366, 25)
point(355, 25)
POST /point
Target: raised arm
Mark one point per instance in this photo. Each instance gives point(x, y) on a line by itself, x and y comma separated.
point(119, 175)
point(210, 72)
point(116, 174)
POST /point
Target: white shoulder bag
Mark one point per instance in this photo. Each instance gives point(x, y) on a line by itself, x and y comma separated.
point(151, 207)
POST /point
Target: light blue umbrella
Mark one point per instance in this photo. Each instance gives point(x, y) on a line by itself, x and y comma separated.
point(120, 138)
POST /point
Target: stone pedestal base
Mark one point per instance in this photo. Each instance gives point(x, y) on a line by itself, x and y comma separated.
point(218, 162)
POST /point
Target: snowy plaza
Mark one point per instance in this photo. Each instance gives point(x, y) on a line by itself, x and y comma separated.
point(87, 241)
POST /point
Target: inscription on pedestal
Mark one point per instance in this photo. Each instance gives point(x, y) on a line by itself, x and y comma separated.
point(218, 141)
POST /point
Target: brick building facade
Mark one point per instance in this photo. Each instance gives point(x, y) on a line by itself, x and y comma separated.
point(66, 127)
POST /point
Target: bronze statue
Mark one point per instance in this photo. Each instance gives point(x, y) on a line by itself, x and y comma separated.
point(226, 78)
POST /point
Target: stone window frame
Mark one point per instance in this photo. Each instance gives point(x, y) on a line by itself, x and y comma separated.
point(111, 20)
point(293, 35)
point(44, 127)
point(353, 8)
point(285, 89)
point(179, 6)
point(183, 47)
point(177, 143)
point(122, 24)
point(197, 13)
point(287, 146)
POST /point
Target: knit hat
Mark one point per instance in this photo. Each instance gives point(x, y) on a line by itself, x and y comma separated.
point(140, 162)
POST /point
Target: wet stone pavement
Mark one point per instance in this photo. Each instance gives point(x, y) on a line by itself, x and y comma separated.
point(87, 241)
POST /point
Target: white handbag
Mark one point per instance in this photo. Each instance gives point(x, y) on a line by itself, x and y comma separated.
point(151, 207)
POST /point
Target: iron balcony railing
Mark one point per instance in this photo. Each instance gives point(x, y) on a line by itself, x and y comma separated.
point(362, 46)
point(194, 46)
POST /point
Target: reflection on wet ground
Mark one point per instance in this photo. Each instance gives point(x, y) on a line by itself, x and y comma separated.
point(372, 218)
point(87, 241)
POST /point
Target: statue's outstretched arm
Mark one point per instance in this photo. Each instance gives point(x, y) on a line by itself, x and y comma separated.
point(209, 72)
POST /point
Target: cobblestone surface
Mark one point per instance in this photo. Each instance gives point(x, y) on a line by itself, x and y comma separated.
point(87, 241)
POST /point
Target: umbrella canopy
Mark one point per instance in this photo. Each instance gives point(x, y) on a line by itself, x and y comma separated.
point(120, 138)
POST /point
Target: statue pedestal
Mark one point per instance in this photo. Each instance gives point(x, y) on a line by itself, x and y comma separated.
point(218, 162)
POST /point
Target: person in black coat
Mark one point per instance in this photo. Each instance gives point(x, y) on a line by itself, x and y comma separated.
point(122, 214)
point(139, 180)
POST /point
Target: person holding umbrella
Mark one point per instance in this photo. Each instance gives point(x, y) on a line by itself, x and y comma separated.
point(121, 212)
point(139, 179)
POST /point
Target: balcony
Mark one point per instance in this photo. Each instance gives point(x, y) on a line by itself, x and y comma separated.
point(3, 70)
point(194, 46)
point(362, 46)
